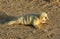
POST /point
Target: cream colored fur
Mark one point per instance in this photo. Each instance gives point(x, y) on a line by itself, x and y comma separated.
point(35, 20)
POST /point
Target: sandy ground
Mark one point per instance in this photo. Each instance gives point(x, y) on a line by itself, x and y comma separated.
point(21, 7)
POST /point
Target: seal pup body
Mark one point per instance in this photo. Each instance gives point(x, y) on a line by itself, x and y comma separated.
point(31, 19)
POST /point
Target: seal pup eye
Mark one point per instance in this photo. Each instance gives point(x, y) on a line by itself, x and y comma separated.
point(45, 17)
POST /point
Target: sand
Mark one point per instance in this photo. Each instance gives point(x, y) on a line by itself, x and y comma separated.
point(16, 8)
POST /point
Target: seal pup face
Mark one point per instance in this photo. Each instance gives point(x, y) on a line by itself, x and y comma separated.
point(44, 17)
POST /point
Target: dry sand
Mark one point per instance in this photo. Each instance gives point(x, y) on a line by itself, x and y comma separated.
point(21, 7)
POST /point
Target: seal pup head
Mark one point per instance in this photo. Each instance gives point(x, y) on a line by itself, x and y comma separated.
point(44, 17)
